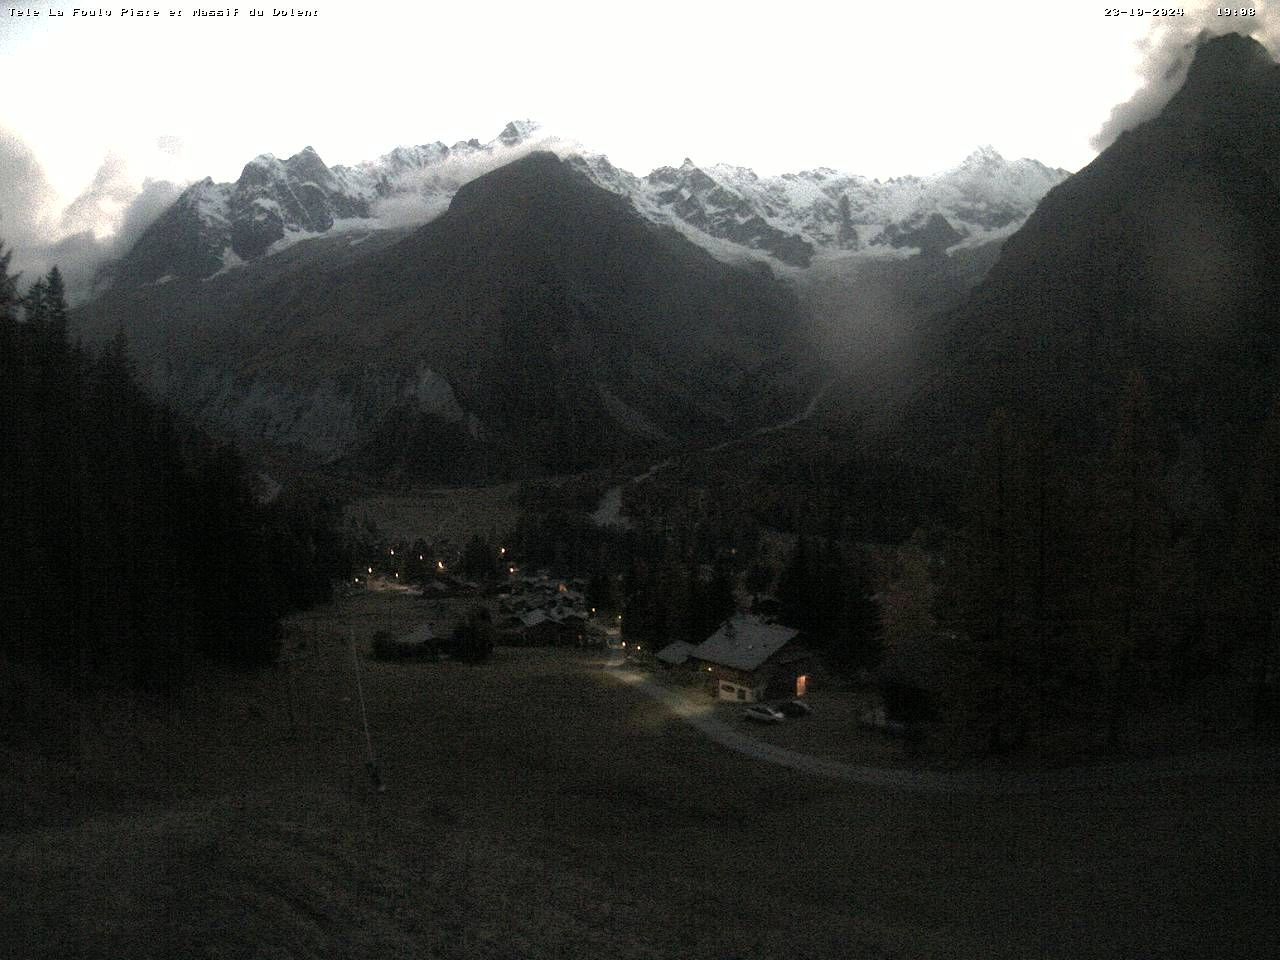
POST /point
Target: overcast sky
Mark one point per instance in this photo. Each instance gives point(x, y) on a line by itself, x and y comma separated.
point(878, 88)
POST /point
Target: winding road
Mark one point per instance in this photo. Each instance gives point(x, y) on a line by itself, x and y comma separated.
point(988, 783)
point(609, 511)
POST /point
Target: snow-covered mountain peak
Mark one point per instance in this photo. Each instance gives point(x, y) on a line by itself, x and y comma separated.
point(208, 200)
point(518, 131)
point(985, 155)
point(730, 210)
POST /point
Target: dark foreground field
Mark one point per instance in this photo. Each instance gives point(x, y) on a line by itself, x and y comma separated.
point(534, 809)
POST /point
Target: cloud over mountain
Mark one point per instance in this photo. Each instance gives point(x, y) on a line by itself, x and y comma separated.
point(1168, 52)
point(98, 226)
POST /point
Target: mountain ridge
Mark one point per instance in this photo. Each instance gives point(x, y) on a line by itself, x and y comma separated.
point(731, 211)
point(540, 324)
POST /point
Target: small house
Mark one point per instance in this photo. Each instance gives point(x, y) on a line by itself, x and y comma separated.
point(538, 629)
point(748, 659)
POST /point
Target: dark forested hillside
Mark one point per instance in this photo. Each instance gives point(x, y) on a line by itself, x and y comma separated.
point(130, 543)
point(1099, 421)
point(1160, 257)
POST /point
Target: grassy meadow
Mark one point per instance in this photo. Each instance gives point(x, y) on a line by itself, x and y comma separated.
point(533, 808)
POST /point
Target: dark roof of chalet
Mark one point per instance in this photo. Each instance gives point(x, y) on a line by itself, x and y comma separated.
point(743, 642)
point(421, 634)
point(675, 653)
point(533, 618)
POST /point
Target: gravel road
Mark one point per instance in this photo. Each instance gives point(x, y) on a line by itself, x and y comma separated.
point(1102, 776)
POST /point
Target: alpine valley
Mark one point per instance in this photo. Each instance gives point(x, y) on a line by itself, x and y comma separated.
point(484, 551)
point(488, 310)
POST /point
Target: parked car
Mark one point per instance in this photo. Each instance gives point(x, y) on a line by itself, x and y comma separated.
point(763, 713)
point(418, 645)
point(793, 708)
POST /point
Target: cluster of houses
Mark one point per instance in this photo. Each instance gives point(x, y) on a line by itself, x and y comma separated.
point(747, 659)
point(543, 610)
point(443, 585)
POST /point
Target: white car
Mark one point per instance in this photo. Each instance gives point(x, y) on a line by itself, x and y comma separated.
point(762, 713)
point(793, 708)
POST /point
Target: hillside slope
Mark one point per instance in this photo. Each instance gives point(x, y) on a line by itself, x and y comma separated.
point(1159, 257)
point(539, 325)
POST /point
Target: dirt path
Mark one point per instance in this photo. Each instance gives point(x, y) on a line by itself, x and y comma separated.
point(609, 511)
point(972, 783)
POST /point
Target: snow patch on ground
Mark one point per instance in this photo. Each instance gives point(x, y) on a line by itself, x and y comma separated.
point(230, 261)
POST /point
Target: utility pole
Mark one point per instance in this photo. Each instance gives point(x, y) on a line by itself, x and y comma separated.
point(371, 764)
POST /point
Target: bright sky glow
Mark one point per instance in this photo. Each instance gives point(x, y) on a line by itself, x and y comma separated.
point(869, 87)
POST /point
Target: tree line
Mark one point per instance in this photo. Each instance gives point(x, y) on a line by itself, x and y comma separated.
point(1076, 587)
point(131, 544)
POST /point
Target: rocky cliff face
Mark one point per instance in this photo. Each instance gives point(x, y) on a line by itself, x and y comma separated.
point(329, 416)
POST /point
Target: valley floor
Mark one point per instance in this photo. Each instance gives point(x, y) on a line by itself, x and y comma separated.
point(534, 808)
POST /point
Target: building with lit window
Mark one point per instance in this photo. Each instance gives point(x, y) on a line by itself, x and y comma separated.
point(747, 659)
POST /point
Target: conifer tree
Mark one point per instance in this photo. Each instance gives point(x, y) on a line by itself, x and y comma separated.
point(1257, 563)
point(990, 691)
point(8, 286)
point(795, 588)
point(910, 628)
point(56, 301)
point(1132, 558)
point(846, 235)
point(35, 303)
